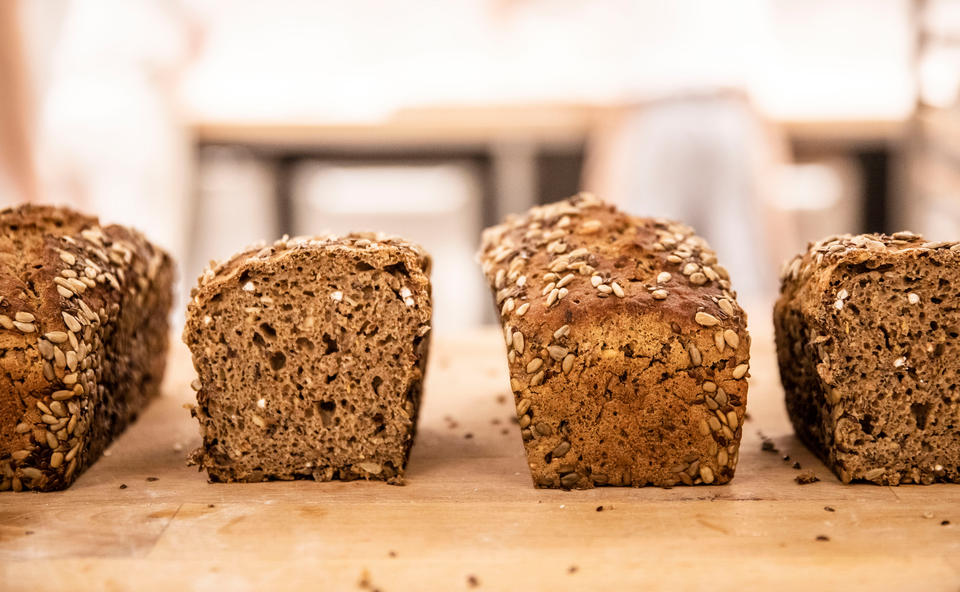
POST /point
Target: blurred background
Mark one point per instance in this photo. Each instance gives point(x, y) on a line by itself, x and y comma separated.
point(210, 124)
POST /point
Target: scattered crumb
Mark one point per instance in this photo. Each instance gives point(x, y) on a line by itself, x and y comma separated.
point(211, 506)
point(502, 399)
point(806, 478)
point(392, 553)
point(822, 537)
point(599, 508)
point(515, 419)
point(572, 569)
point(797, 466)
point(829, 508)
point(468, 435)
point(786, 458)
point(123, 486)
point(747, 416)
point(927, 514)
point(472, 581)
point(944, 523)
point(151, 479)
point(504, 431)
point(767, 445)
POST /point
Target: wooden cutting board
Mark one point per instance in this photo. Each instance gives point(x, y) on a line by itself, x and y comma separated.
point(469, 517)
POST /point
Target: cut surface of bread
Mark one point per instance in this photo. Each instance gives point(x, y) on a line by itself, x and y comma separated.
point(310, 356)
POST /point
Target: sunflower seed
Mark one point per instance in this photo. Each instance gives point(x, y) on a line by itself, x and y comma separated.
point(706, 473)
point(557, 352)
point(46, 348)
point(534, 365)
point(523, 406)
point(566, 280)
point(525, 422)
point(732, 419)
point(544, 429)
point(24, 317)
point(604, 289)
point(732, 339)
point(710, 386)
point(52, 441)
point(548, 288)
point(704, 428)
point(62, 395)
point(718, 341)
point(561, 449)
point(698, 279)
point(617, 290)
point(552, 297)
point(690, 268)
point(56, 459)
point(20, 454)
point(561, 332)
point(714, 423)
point(57, 337)
point(518, 342)
point(25, 327)
point(706, 319)
point(664, 277)
point(522, 309)
point(596, 280)
point(695, 358)
point(66, 293)
point(721, 397)
point(567, 363)
point(659, 294)
point(6, 322)
point(740, 371)
point(725, 306)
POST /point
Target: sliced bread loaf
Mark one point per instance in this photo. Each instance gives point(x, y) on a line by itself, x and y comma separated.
point(310, 355)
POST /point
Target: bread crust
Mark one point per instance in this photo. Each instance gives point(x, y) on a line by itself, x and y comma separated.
point(89, 349)
point(628, 353)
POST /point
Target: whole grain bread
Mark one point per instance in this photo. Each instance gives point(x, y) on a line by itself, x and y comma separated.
point(866, 330)
point(83, 340)
point(310, 355)
point(627, 350)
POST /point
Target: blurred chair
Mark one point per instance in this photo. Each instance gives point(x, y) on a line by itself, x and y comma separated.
point(708, 160)
point(435, 205)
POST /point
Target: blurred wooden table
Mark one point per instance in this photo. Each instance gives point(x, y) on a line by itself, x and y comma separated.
point(470, 514)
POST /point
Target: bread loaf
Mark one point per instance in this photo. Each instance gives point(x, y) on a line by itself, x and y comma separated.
point(83, 340)
point(310, 355)
point(627, 350)
point(866, 330)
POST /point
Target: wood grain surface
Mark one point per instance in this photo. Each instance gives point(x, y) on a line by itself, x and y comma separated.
point(469, 517)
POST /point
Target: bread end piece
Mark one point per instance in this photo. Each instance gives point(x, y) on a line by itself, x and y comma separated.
point(867, 347)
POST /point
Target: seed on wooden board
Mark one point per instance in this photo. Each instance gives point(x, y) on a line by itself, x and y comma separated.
point(732, 339)
point(659, 294)
point(561, 449)
point(740, 371)
point(534, 365)
point(706, 319)
point(695, 358)
point(567, 363)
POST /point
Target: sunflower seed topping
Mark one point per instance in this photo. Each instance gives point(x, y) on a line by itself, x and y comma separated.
point(740, 371)
point(659, 294)
point(706, 319)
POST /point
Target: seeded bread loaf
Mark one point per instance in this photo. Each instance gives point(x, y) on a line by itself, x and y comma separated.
point(310, 355)
point(628, 354)
point(83, 340)
point(866, 330)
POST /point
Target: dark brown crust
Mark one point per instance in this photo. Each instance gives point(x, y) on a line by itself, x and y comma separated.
point(377, 251)
point(618, 397)
point(63, 403)
point(867, 359)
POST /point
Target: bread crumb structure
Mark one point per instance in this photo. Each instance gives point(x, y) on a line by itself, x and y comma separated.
point(83, 340)
point(867, 341)
point(310, 355)
point(628, 353)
